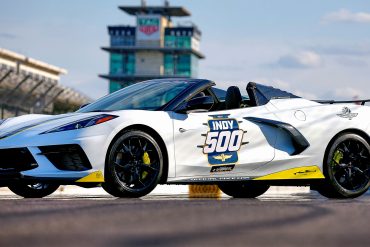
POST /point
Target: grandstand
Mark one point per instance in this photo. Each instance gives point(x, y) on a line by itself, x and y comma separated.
point(31, 86)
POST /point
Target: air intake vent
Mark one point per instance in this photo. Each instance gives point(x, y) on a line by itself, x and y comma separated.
point(67, 157)
point(16, 160)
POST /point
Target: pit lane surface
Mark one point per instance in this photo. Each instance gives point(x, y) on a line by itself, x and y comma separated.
point(305, 219)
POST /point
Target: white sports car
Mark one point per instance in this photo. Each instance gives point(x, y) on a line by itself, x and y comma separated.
point(186, 131)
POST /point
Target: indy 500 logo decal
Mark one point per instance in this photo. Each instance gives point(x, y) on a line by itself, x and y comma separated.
point(223, 140)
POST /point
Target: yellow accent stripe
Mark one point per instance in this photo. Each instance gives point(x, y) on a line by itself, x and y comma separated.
point(95, 177)
point(305, 172)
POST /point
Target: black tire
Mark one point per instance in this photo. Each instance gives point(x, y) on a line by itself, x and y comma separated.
point(346, 168)
point(36, 190)
point(243, 190)
point(125, 167)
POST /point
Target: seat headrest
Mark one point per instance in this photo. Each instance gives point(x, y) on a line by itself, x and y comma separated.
point(233, 98)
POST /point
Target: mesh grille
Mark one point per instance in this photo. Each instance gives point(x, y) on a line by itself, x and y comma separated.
point(16, 159)
point(67, 157)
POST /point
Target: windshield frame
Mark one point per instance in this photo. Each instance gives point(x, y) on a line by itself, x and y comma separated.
point(199, 85)
point(192, 85)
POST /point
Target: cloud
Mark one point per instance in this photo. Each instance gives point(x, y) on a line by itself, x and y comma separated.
point(348, 93)
point(353, 50)
point(347, 61)
point(7, 36)
point(344, 15)
point(305, 95)
point(350, 55)
point(301, 60)
point(225, 67)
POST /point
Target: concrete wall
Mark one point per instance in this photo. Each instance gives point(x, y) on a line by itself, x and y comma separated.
point(149, 63)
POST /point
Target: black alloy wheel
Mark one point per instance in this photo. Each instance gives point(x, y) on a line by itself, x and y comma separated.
point(347, 168)
point(134, 165)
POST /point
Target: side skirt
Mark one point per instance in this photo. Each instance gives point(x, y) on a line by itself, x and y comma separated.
point(295, 176)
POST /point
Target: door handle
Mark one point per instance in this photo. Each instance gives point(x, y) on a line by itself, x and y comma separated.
point(182, 130)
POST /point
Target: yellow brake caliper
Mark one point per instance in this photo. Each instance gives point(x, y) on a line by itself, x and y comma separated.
point(146, 161)
point(338, 156)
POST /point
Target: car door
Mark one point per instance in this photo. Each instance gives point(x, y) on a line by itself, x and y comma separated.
point(222, 142)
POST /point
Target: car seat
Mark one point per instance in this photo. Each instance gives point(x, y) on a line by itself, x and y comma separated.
point(233, 98)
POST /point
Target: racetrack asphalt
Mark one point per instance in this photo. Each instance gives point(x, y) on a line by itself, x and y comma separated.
point(305, 219)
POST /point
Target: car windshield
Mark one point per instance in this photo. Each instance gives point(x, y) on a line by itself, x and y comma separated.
point(150, 95)
point(220, 93)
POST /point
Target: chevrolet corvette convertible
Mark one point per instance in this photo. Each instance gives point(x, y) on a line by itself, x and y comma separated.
point(188, 131)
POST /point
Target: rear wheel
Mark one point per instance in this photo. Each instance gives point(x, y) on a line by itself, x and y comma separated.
point(347, 168)
point(36, 190)
point(134, 166)
point(243, 190)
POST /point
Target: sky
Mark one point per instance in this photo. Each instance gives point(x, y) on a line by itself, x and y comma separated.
point(316, 49)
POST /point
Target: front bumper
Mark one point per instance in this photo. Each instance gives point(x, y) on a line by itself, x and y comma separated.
point(62, 164)
point(86, 156)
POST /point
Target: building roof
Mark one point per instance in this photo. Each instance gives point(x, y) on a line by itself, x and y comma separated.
point(160, 10)
point(15, 57)
point(31, 86)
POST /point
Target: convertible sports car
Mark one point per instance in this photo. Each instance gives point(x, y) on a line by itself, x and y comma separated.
point(187, 131)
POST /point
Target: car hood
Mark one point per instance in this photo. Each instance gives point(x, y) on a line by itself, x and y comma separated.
point(39, 122)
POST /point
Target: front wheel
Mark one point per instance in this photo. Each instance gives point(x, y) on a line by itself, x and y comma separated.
point(36, 190)
point(347, 168)
point(134, 165)
point(243, 190)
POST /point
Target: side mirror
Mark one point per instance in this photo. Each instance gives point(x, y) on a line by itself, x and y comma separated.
point(199, 103)
point(82, 106)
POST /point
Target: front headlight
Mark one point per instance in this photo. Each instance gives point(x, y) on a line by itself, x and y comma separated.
point(84, 123)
